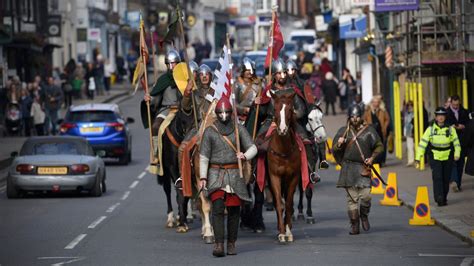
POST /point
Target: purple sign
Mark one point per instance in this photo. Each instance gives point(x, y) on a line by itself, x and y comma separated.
point(396, 5)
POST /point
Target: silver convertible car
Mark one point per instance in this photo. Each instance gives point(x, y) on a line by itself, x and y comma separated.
point(56, 164)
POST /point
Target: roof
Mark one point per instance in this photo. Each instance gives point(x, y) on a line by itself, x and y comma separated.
point(95, 106)
point(303, 33)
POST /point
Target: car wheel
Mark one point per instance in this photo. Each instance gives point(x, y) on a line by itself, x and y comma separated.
point(130, 156)
point(96, 190)
point(12, 192)
point(124, 159)
point(104, 186)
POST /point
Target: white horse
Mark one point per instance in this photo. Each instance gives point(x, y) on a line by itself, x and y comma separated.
point(318, 131)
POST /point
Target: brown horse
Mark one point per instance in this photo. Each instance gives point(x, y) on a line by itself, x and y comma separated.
point(284, 162)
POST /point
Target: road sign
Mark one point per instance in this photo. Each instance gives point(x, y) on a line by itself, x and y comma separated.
point(421, 209)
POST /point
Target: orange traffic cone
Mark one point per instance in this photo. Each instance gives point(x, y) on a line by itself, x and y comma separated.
point(377, 186)
point(391, 192)
point(329, 155)
point(422, 212)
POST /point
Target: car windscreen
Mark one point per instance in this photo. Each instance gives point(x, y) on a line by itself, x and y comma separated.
point(303, 39)
point(289, 47)
point(91, 116)
point(54, 148)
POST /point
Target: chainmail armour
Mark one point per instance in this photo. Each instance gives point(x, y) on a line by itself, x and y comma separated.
point(350, 159)
point(246, 93)
point(214, 149)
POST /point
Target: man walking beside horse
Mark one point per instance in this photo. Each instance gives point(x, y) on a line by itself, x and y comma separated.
point(358, 144)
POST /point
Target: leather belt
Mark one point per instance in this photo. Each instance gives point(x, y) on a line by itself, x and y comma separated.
point(225, 166)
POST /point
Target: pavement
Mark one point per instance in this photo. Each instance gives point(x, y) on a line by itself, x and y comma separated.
point(11, 144)
point(457, 218)
point(126, 226)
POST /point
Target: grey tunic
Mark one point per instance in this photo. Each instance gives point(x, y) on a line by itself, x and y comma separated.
point(350, 159)
point(203, 97)
point(214, 148)
point(171, 96)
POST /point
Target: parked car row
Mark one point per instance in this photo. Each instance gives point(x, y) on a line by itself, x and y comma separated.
point(73, 161)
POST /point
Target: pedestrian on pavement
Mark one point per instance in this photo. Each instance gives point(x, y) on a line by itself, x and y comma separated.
point(219, 168)
point(90, 78)
point(132, 59)
point(441, 138)
point(109, 69)
point(458, 117)
point(351, 89)
point(325, 67)
point(52, 98)
point(66, 87)
point(329, 88)
point(377, 116)
point(190, 51)
point(100, 75)
point(25, 109)
point(469, 145)
point(408, 130)
point(358, 144)
point(78, 82)
point(38, 116)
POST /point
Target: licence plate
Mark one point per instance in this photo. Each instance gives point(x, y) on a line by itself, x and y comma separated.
point(91, 129)
point(52, 170)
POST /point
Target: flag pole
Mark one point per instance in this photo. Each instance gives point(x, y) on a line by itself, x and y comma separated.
point(142, 38)
point(153, 49)
point(254, 133)
point(234, 109)
point(186, 59)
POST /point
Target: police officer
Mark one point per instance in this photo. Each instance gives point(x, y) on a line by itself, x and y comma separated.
point(442, 139)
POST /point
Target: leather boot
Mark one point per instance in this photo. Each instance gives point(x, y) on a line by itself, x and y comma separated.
point(364, 217)
point(218, 250)
point(231, 248)
point(355, 223)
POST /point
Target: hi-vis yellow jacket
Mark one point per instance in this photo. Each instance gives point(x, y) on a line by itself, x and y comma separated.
point(440, 140)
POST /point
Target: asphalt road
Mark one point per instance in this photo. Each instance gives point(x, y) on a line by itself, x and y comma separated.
point(126, 226)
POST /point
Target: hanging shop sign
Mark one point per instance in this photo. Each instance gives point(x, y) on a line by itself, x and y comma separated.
point(352, 26)
point(396, 5)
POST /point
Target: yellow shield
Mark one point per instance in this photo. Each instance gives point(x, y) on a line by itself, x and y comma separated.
point(180, 75)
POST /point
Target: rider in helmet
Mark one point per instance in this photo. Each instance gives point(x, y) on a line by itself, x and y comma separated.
point(356, 147)
point(293, 78)
point(247, 88)
point(203, 95)
point(165, 96)
point(219, 173)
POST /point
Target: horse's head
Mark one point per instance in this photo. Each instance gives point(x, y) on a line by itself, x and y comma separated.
point(315, 125)
point(184, 123)
point(284, 110)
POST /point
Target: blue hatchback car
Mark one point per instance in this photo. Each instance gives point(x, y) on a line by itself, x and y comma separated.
point(103, 126)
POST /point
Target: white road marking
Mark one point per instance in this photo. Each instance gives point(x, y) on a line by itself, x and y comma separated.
point(469, 261)
point(443, 255)
point(134, 184)
point(125, 195)
point(113, 207)
point(75, 241)
point(141, 175)
point(147, 168)
point(97, 222)
point(69, 260)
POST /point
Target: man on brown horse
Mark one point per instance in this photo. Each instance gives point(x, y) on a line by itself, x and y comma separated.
point(357, 146)
point(220, 174)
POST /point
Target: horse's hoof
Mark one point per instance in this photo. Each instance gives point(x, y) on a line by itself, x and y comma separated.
point(300, 217)
point(289, 239)
point(182, 229)
point(310, 220)
point(170, 225)
point(190, 220)
point(208, 239)
point(281, 238)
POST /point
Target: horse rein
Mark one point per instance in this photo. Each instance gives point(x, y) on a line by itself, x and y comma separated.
point(282, 155)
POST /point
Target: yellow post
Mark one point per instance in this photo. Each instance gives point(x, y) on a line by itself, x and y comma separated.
point(397, 117)
point(464, 94)
point(407, 91)
point(415, 113)
point(420, 120)
point(458, 86)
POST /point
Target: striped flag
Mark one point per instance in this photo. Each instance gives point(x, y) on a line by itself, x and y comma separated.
point(222, 83)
